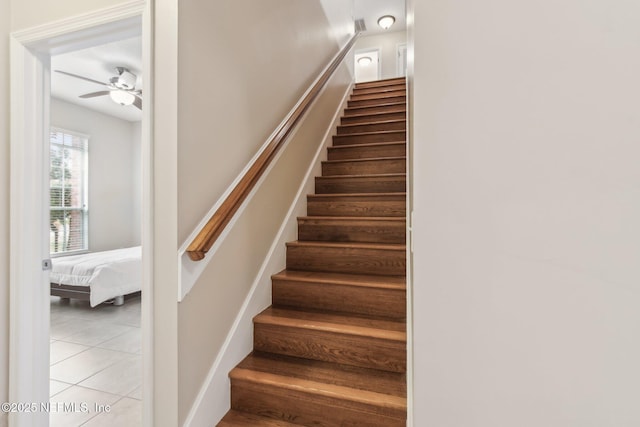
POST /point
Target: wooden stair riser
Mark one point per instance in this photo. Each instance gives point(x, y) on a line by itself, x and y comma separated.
point(377, 95)
point(245, 419)
point(393, 205)
point(367, 151)
point(331, 350)
point(347, 258)
point(370, 137)
point(372, 127)
point(391, 183)
point(340, 297)
point(380, 89)
point(364, 166)
point(376, 101)
point(330, 346)
point(393, 107)
point(373, 117)
point(306, 409)
point(381, 83)
point(352, 230)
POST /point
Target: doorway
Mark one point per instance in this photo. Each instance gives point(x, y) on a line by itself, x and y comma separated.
point(31, 53)
point(95, 238)
point(367, 65)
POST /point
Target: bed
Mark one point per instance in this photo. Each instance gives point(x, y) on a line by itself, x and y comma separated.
point(98, 276)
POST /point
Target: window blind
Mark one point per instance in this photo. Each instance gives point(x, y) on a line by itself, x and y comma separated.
point(68, 192)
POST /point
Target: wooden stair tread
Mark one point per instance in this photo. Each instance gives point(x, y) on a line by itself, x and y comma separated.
point(330, 322)
point(351, 245)
point(340, 393)
point(380, 122)
point(383, 382)
point(235, 418)
point(362, 280)
point(367, 145)
point(376, 132)
point(356, 110)
point(382, 82)
point(365, 176)
point(368, 159)
point(352, 218)
point(331, 350)
point(358, 195)
point(373, 116)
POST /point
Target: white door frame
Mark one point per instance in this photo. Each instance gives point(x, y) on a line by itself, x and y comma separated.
point(400, 64)
point(28, 283)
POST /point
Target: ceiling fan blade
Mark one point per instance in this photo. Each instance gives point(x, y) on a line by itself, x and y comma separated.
point(94, 94)
point(138, 102)
point(82, 78)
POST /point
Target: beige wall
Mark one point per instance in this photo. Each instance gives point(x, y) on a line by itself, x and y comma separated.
point(527, 236)
point(244, 75)
point(4, 206)
point(260, 58)
point(388, 45)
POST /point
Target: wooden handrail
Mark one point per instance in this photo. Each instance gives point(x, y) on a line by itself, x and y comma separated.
point(214, 227)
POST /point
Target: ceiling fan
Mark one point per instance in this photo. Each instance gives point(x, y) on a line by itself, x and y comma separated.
point(121, 88)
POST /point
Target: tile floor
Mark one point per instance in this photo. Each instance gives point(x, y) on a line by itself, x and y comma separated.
point(95, 364)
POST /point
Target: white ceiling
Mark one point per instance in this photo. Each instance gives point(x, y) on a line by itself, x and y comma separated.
point(98, 63)
point(371, 10)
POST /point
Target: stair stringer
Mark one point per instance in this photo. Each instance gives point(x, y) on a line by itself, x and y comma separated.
point(214, 397)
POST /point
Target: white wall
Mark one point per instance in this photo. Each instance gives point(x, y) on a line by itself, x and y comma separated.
point(527, 206)
point(4, 206)
point(388, 45)
point(114, 173)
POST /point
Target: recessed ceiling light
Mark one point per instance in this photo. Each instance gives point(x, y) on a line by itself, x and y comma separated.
point(386, 21)
point(364, 60)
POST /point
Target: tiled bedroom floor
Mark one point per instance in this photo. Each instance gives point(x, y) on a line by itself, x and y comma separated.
point(96, 361)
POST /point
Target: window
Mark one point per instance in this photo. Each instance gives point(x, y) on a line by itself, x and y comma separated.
point(68, 177)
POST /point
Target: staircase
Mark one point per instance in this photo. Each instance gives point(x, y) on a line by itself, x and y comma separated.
point(331, 350)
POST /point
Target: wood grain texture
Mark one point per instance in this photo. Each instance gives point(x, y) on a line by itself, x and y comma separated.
point(380, 89)
point(245, 419)
point(353, 204)
point(374, 183)
point(352, 229)
point(373, 117)
point(381, 83)
point(367, 151)
point(356, 258)
point(390, 107)
point(367, 166)
point(348, 340)
point(376, 101)
point(369, 137)
point(372, 127)
point(359, 96)
point(331, 350)
point(310, 404)
point(342, 293)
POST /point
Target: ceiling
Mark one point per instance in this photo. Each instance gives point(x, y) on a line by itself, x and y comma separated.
point(98, 63)
point(371, 10)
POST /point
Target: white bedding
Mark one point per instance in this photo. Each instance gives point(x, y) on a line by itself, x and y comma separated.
point(109, 273)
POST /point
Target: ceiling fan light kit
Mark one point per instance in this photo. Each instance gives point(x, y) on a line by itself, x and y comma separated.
point(122, 97)
point(121, 88)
